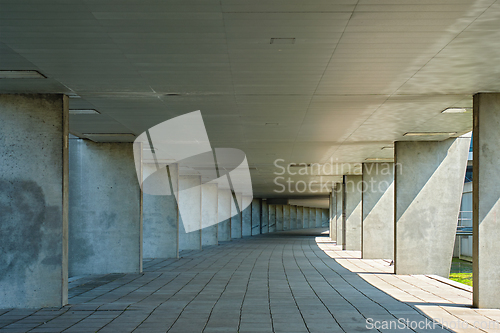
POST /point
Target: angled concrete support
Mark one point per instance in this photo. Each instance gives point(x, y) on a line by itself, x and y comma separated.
point(486, 201)
point(272, 218)
point(264, 228)
point(429, 178)
point(160, 217)
point(286, 217)
point(353, 187)
point(209, 214)
point(246, 215)
point(33, 201)
point(339, 194)
point(333, 214)
point(305, 219)
point(236, 216)
point(256, 217)
point(224, 212)
point(189, 201)
point(293, 217)
point(325, 220)
point(378, 211)
point(279, 218)
point(300, 217)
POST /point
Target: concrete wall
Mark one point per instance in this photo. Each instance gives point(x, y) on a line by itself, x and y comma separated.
point(272, 218)
point(293, 217)
point(33, 201)
point(160, 218)
point(256, 216)
point(189, 201)
point(339, 189)
point(224, 212)
point(279, 218)
point(429, 179)
point(286, 217)
point(333, 214)
point(105, 231)
point(378, 211)
point(300, 217)
point(209, 214)
point(319, 217)
point(264, 227)
point(352, 212)
point(312, 217)
point(325, 220)
point(305, 219)
point(236, 216)
point(246, 222)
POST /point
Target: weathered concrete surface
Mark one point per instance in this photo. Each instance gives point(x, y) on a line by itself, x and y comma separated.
point(272, 218)
point(189, 201)
point(286, 217)
point(300, 217)
point(256, 217)
point(353, 216)
point(312, 217)
point(246, 216)
point(486, 197)
point(319, 217)
point(305, 219)
point(209, 214)
point(236, 216)
point(33, 201)
point(429, 179)
point(224, 211)
point(339, 189)
point(105, 231)
point(279, 218)
point(160, 218)
point(264, 228)
point(325, 219)
point(378, 211)
point(293, 217)
point(333, 214)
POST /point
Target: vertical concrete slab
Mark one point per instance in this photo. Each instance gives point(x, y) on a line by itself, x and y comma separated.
point(105, 212)
point(160, 218)
point(209, 214)
point(353, 187)
point(33, 201)
point(378, 211)
point(272, 218)
point(264, 228)
point(293, 217)
point(300, 217)
point(429, 178)
point(256, 217)
point(286, 217)
point(279, 218)
point(236, 216)
point(486, 197)
point(339, 194)
point(189, 201)
point(333, 214)
point(305, 220)
point(224, 211)
point(246, 224)
point(325, 221)
point(319, 217)
point(312, 217)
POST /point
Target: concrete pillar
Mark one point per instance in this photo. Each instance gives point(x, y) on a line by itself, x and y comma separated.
point(486, 197)
point(256, 217)
point(264, 227)
point(224, 212)
point(246, 222)
point(279, 218)
point(105, 212)
point(189, 201)
point(339, 194)
point(319, 217)
point(33, 201)
point(272, 218)
point(209, 214)
point(160, 217)
point(312, 217)
point(378, 211)
point(325, 218)
point(236, 216)
point(286, 217)
point(429, 178)
point(333, 214)
point(300, 217)
point(293, 217)
point(352, 212)
point(305, 220)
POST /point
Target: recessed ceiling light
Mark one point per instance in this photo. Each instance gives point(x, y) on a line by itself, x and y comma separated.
point(73, 95)
point(388, 147)
point(21, 75)
point(272, 124)
point(376, 159)
point(172, 94)
point(282, 41)
point(429, 134)
point(108, 134)
point(84, 111)
point(456, 110)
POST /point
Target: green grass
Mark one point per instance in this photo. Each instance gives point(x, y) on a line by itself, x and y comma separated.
point(465, 278)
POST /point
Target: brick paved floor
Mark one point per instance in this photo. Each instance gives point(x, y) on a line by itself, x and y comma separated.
point(286, 282)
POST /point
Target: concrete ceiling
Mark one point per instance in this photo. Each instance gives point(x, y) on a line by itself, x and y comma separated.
point(341, 80)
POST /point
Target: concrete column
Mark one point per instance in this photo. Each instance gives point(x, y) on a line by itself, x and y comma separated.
point(352, 212)
point(272, 218)
point(486, 197)
point(319, 217)
point(429, 178)
point(189, 201)
point(324, 218)
point(333, 214)
point(339, 194)
point(33, 201)
point(209, 214)
point(279, 218)
point(300, 217)
point(105, 212)
point(378, 211)
point(293, 217)
point(286, 217)
point(160, 217)
point(256, 217)
point(264, 228)
point(305, 220)
point(224, 211)
point(236, 216)
point(312, 217)
point(246, 222)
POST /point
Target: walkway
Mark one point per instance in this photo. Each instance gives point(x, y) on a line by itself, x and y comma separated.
point(285, 282)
